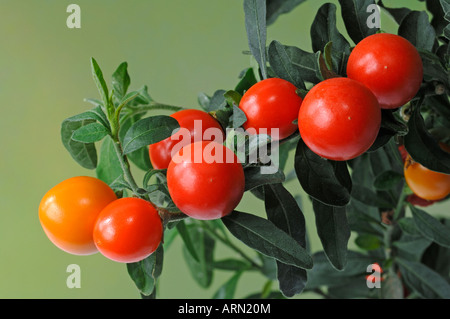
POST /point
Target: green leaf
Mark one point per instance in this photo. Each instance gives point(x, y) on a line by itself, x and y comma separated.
point(254, 178)
point(203, 244)
point(217, 101)
point(397, 13)
point(143, 98)
point(416, 28)
point(430, 227)
point(263, 236)
point(326, 181)
point(433, 68)
point(423, 280)
point(324, 274)
point(283, 66)
point(185, 235)
point(120, 184)
point(85, 154)
point(148, 131)
point(145, 273)
point(306, 62)
point(228, 289)
point(100, 82)
point(355, 16)
point(239, 117)
point(139, 157)
point(387, 180)
point(232, 97)
point(255, 24)
point(282, 210)
point(422, 147)
point(108, 168)
point(368, 241)
point(334, 232)
point(247, 80)
point(367, 196)
point(277, 7)
point(231, 264)
point(121, 81)
point(323, 31)
point(95, 114)
point(90, 133)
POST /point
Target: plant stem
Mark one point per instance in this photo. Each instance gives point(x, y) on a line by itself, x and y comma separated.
point(400, 204)
point(228, 243)
point(159, 106)
point(125, 165)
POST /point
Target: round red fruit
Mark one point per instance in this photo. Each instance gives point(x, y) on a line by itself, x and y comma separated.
point(205, 180)
point(128, 230)
point(339, 119)
point(390, 66)
point(193, 125)
point(271, 104)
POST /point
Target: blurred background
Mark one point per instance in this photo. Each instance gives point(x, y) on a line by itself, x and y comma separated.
point(178, 48)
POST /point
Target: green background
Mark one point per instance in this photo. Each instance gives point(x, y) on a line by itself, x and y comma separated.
point(178, 48)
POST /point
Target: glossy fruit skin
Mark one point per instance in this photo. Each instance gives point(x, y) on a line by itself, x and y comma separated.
point(128, 230)
point(271, 103)
point(69, 210)
point(425, 183)
point(205, 189)
point(160, 153)
point(390, 66)
point(339, 119)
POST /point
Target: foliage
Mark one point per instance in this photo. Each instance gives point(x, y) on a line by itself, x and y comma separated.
point(366, 196)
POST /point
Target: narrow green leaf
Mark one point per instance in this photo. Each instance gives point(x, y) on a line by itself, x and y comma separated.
point(334, 232)
point(430, 227)
point(263, 236)
point(185, 235)
point(355, 14)
point(85, 154)
point(95, 114)
point(254, 178)
point(148, 131)
point(283, 66)
point(228, 289)
point(231, 264)
point(90, 133)
point(423, 280)
point(416, 28)
point(100, 82)
point(203, 244)
point(255, 24)
point(326, 181)
point(121, 81)
point(282, 209)
point(277, 7)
